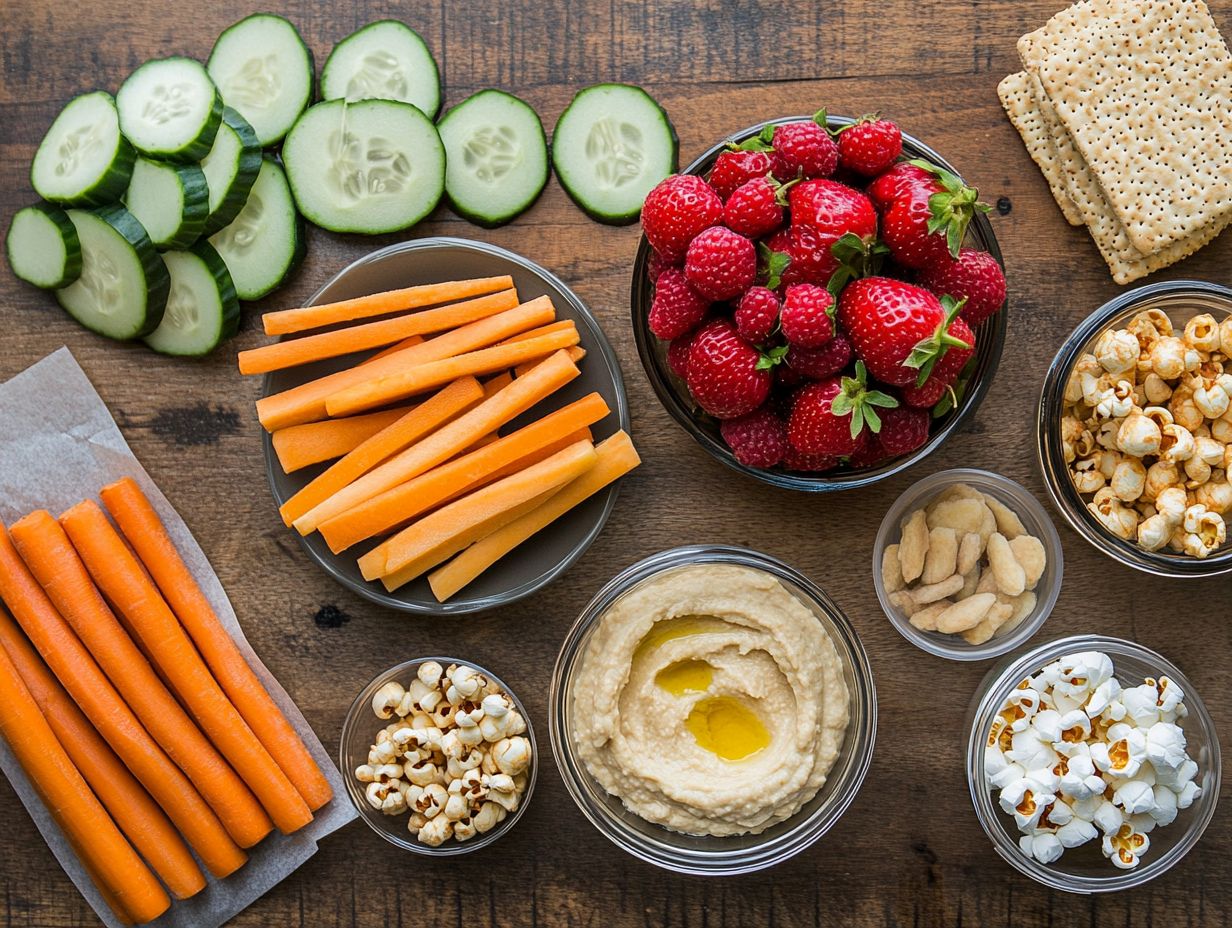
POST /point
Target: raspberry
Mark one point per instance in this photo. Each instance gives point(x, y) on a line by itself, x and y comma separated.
point(903, 430)
point(678, 355)
point(677, 307)
point(720, 263)
point(757, 315)
point(823, 362)
point(806, 149)
point(809, 463)
point(675, 211)
point(806, 316)
point(758, 439)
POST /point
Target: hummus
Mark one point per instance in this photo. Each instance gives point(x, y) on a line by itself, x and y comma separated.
point(710, 700)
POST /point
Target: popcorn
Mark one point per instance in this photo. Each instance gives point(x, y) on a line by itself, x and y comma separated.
point(1044, 846)
point(1076, 833)
point(1125, 847)
point(1165, 746)
point(1135, 797)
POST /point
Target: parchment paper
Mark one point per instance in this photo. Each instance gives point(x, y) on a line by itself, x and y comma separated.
point(59, 445)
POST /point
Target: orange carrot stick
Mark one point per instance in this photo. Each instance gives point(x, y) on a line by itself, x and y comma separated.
point(296, 351)
point(313, 442)
point(408, 429)
point(576, 353)
point(449, 440)
point(50, 556)
point(286, 321)
point(123, 581)
point(88, 685)
point(386, 352)
point(146, 533)
point(137, 815)
point(76, 809)
point(560, 325)
point(306, 403)
point(389, 388)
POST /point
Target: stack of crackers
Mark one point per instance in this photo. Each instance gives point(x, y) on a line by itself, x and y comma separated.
point(1126, 106)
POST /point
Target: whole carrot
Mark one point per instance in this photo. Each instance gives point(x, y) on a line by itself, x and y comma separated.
point(76, 809)
point(55, 564)
point(145, 532)
point(122, 580)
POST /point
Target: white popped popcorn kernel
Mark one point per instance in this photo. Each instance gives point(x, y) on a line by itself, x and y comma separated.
point(1102, 697)
point(1027, 800)
point(1076, 832)
point(1165, 746)
point(1020, 707)
point(1007, 776)
point(1135, 797)
point(1108, 818)
point(1187, 794)
point(1085, 809)
point(1125, 847)
point(1166, 806)
point(1176, 779)
point(1124, 752)
point(1080, 780)
point(1044, 846)
point(1170, 696)
point(1141, 704)
point(1047, 724)
point(1029, 750)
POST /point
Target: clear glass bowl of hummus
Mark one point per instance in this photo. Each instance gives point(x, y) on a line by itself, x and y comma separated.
point(1084, 869)
point(712, 711)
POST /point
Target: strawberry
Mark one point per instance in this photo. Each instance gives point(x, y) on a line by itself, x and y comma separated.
point(797, 255)
point(807, 316)
point(822, 213)
point(927, 223)
point(755, 208)
point(805, 149)
point(758, 439)
point(834, 416)
point(720, 264)
point(675, 211)
point(974, 276)
point(901, 178)
point(809, 463)
point(870, 452)
point(737, 166)
point(677, 308)
point(678, 355)
point(897, 329)
point(757, 315)
point(726, 375)
point(903, 431)
point(820, 363)
point(869, 146)
point(944, 373)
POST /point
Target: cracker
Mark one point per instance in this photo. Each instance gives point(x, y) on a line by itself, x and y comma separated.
point(1020, 106)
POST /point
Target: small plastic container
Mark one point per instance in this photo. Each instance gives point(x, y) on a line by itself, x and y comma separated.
point(1084, 869)
point(358, 733)
point(1034, 518)
point(708, 855)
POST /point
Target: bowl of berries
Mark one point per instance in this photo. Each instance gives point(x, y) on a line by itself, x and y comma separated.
point(818, 301)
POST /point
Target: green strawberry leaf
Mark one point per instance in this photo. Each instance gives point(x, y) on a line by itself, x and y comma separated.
point(856, 258)
point(763, 141)
point(821, 118)
point(856, 398)
point(928, 351)
point(770, 359)
point(771, 265)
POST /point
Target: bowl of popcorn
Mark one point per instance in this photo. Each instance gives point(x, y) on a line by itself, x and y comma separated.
point(1135, 429)
point(439, 756)
point(1092, 763)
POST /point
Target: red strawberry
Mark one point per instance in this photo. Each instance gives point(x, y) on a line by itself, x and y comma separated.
point(975, 276)
point(785, 379)
point(757, 315)
point(923, 227)
point(822, 212)
point(675, 211)
point(869, 146)
point(677, 308)
point(944, 373)
point(833, 416)
point(755, 208)
point(903, 431)
point(820, 363)
point(807, 316)
point(738, 166)
point(804, 257)
point(809, 463)
point(902, 177)
point(897, 329)
point(678, 355)
point(805, 149)
point(758, 439)
point(726, 375)
point(720, 263)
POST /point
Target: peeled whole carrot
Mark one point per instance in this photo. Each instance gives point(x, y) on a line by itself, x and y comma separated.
point(287, 321)
point(301, 446)
point(121, 578)
point(305, 350)
point(50, 556)
point(93, 692)
point(76, 809)
point(145, 532)
point(420, 421)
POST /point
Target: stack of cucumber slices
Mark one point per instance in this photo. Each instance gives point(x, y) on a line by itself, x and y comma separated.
point(164, 206)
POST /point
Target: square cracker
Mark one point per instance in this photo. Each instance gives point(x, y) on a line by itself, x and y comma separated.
point(1144, 88)
point(1019, 102)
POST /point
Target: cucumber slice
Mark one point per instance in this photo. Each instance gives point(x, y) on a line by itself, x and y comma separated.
point(385, 60)
point(169, 108)
point(496, 162)
point(202, 308)
point(611, 145)
point(230, 169)
point(83, 159)
point(122, 290)
point(264, 70)
point(171, 200)
point(374, 166)
point(265, 242)
point(42, 246)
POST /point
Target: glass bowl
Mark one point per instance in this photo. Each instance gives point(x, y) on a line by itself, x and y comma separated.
point(1036, 521)
point(359, 730)
point(674, 395)
point(1181, 300)
point(1084, 869)
point(705, 854)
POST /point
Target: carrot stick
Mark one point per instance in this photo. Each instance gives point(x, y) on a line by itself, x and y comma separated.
point(422, 420)
point(293, 352)
point(145, 532)
point(617, 457)
point(576, 353)
point(137, 815)
point(424, 542)
point(494, 385)
point(423, 493)
point(76, 809)
point(287, 321)
point(447, 441)
point(313, 442)
point(306, 403)
point(50, 556)
point(560, 325)
point(93, 692)
point(388, 388)
point(123, 581)
point(386, 352)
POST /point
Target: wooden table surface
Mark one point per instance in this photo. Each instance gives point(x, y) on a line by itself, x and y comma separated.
point(909, 851)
